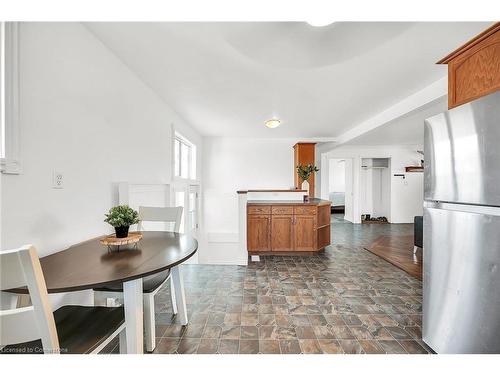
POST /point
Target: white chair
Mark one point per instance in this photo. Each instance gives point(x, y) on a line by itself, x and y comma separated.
point(35, 329)
point(151, 284)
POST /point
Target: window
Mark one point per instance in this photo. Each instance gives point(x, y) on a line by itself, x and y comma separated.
point(9, 99)
point(184, 158)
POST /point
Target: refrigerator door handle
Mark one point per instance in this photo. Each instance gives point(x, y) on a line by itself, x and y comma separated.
point(473, 209)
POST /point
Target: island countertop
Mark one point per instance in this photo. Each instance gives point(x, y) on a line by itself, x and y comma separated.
point(271, 191)
point(312, 202)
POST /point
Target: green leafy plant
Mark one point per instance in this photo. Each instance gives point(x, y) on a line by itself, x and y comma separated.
point(305, 171)
point(121, 216)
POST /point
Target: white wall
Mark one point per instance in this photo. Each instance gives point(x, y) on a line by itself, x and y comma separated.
point(336, 177)
point(231, 164)
point(406, 194)
point(84, 113)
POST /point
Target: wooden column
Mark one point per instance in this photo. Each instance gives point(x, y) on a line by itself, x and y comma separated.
point(303, 154)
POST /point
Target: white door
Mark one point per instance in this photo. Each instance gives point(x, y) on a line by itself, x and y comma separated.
point(193, 210)
point(180, 201)
point(187, 196)
point(349, 194)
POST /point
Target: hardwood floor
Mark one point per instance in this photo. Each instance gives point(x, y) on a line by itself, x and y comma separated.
point(398, 250)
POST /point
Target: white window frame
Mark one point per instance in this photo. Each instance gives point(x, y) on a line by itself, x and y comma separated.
point(9, 98)
point(191, 158)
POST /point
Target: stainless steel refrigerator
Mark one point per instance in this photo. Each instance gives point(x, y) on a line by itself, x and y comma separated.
point(461, 300)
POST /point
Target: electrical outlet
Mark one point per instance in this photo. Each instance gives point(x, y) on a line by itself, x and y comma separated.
point(57, 180)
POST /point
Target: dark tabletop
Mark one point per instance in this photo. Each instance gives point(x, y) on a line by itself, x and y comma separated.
point(90, 264)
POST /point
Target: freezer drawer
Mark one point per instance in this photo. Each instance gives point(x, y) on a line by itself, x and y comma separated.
point(462, 154)
point(461, 301)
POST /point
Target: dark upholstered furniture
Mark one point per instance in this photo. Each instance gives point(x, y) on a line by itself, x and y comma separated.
point(418, 232)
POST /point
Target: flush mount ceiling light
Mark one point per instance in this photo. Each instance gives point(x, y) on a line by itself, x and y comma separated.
point(272, 123)
point(319, 23)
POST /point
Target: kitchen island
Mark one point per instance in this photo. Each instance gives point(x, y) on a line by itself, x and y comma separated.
point(287, 227)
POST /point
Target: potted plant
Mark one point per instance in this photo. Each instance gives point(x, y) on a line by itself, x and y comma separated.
point(304, 172)
point(121, 218)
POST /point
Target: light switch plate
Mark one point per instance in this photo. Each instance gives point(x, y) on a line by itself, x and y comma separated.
point(57, 180)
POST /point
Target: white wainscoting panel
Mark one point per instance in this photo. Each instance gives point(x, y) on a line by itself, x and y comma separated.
point(143, 194)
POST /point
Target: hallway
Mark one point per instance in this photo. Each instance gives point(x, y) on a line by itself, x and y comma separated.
point(347, 233)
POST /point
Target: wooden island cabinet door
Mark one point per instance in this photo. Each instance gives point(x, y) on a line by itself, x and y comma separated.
point(282, 232)
point(258, 232)
point(304, 233)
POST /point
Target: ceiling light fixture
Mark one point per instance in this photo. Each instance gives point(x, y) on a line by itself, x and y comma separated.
point(319, 23)
point(272, 123)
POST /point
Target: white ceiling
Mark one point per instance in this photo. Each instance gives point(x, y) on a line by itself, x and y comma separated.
point(226, 79)
point(406, 130)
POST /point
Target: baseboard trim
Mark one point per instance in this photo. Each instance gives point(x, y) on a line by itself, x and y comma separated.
point(236, 262)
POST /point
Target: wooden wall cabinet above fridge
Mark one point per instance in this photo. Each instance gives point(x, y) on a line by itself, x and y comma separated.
point(474, 68)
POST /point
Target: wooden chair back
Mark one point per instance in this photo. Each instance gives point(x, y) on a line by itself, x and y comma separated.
point(18, 268)
point(161, 214)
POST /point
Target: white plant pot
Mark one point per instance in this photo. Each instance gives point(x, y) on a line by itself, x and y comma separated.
point(305, 186)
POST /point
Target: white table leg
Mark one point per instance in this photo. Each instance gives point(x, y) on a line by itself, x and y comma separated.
point(172, 297)
point(180, 297)
point(132, 296)
point(123, 341)
point(149, 321)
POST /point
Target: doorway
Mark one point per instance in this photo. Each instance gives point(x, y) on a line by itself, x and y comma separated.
point(187, 197)
point(375, 190)
point(336, 185)
point(340, 188)
point(193, 210)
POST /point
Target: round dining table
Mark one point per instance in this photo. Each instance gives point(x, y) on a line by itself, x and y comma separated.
point(90, 264)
